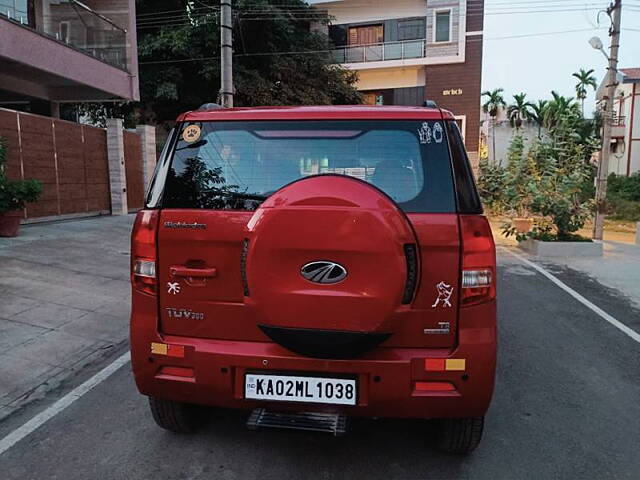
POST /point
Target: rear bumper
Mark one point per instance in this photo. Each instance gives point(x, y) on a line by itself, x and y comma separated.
point(386, 377)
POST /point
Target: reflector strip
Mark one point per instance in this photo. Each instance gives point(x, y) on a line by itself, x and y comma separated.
point(169, 350)
point(177, 371)
point(434, 364)
point(159, 348)
point(435, 387)
point(177, 351)
point(442, 364)
point(456, 364)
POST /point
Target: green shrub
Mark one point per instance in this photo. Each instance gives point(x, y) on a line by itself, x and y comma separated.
point(14, 194)
point(491, 186)
point(623, 187)
point(624, 210)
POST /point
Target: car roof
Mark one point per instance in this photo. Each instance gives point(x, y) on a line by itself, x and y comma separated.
point(328, 112)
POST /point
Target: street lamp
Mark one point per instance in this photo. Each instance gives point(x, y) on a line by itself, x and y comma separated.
point(596, 43)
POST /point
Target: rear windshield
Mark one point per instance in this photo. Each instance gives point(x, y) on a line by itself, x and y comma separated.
point(236, 165)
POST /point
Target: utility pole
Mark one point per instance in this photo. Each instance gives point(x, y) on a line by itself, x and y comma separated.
point(614, 11)
point(226, 54)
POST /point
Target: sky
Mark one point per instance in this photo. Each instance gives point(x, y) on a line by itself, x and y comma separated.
point(536, 64)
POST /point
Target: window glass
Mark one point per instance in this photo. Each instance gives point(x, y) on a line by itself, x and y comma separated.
point(442, 26)
point(411, 29)
point(235, 165)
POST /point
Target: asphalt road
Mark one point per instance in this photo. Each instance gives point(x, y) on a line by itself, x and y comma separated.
point(566, 405)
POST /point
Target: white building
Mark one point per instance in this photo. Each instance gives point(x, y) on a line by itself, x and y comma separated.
point(625, 135)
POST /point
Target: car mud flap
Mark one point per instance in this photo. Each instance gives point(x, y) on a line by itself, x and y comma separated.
point(334, 423)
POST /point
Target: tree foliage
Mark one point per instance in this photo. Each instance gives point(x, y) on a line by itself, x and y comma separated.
point(278, 58)
point(495, 101)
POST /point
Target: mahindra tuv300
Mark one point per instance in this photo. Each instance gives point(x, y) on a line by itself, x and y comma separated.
point(314, 263)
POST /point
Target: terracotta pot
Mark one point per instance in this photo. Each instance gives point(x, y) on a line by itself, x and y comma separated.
point(10, 223)
point(523, 225)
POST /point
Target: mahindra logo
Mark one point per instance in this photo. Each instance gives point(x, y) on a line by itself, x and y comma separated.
point(323, 271)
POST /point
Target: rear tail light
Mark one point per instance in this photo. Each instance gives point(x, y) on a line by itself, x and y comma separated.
point(143, 252)
point(478, 282)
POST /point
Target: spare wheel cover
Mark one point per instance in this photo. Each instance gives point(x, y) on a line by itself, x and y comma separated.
point(326, 267)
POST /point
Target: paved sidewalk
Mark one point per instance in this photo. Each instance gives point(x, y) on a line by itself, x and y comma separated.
point(618, 268)
point(64, 302)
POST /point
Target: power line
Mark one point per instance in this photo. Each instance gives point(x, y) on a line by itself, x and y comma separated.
point(306, 52)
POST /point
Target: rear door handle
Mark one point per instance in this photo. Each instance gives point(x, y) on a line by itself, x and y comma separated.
point(182, 271)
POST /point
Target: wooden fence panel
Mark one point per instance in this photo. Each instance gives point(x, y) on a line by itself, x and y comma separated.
point(72, 184)
point(39, 161)
point(133, 167)
point(68, 158)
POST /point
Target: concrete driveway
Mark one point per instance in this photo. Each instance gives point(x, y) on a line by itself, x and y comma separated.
point(64, 302)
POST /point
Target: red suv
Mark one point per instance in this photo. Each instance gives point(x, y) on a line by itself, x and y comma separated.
point(313, 263)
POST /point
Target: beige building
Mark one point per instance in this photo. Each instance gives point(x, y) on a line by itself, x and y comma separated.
point(407, 51)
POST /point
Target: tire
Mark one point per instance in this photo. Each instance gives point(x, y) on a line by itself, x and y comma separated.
point(176, 417)
point(459, 435)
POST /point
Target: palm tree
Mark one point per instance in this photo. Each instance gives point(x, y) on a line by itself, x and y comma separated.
point(538, 111)
point(585, 79)
point(492, 106)
point(559, 107)
point(519, 111)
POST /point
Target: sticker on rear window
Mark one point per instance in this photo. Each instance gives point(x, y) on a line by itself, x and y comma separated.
point(425, 133)
point(438, 132)
point(191, 134)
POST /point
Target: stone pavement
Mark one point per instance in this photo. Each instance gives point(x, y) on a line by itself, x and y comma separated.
point(64, 302)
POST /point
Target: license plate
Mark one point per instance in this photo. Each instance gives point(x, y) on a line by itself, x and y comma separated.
point(286, 388)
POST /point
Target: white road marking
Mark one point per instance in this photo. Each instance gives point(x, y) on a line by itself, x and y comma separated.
point(616, 323)
point(18, 434)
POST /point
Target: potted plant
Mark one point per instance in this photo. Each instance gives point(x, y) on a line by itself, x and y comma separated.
point(14, 194)
point(521, 175)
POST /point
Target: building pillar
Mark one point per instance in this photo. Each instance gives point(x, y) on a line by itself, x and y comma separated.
point(117, 172)
point(638, 233)
point(147, 135)
point(55, 109)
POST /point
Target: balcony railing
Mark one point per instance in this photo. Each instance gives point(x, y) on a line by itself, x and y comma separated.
point(80, 27)
point(379, 52)
point(618, 121)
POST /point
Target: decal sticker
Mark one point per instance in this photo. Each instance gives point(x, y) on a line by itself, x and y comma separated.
point(444, 295)
point(191, 134)
point(425, 133)
point(185, 313)
point(438, 132)
point(442, 330)
point(173, 288)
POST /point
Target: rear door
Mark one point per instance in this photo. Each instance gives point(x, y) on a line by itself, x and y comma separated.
point(222, 171)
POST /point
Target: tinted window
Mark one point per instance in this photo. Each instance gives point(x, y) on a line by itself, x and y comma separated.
point(236, 165)
point(467, 194)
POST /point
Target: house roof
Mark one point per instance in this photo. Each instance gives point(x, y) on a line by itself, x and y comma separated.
point(630, 74)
